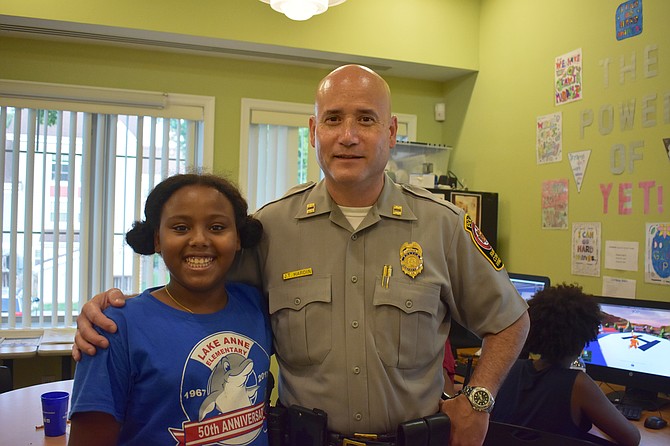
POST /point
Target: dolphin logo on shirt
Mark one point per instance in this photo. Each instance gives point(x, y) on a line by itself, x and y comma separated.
point(227, 386)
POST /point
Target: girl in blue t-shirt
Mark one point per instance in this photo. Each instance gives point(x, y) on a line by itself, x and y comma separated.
point(189, 362)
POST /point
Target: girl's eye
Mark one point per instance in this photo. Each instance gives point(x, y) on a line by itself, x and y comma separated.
point(180, 228)
point(218, 227)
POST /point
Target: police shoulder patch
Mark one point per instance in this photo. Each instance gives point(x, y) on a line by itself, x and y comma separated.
point(482, 244)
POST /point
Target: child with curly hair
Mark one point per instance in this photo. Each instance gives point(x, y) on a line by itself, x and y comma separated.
point(544, 393)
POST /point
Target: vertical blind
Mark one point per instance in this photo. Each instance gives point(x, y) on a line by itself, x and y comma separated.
point(73, 184)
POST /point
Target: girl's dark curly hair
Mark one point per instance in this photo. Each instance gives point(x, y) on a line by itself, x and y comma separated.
point(141, 236)
point(562, 320)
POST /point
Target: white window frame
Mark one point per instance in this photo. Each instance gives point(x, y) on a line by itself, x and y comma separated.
point(104, 101)
point(113, 100)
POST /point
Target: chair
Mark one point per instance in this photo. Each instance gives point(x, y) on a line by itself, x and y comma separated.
point(503, 434)
point(6, 383)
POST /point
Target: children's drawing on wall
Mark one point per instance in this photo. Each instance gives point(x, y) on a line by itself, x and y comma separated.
point(549, 138)
point(586, 249)
point(657, 254)
point(666, 144)
point(628, 19)
point(578, 163)
point(568, 77)
point(555, 204)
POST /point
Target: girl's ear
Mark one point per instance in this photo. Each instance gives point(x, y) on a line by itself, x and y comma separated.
point(157, 243)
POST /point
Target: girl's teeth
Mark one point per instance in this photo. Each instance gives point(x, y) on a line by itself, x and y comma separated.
point(198, 261)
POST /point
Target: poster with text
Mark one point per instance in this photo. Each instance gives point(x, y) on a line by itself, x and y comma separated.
point(628, 19)
point(555, 204)
point(586, 249)
point(548, 138)
point(568, 77)
point(657, 254)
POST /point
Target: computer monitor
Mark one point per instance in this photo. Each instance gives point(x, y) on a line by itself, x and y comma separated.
point(632, 350)
point(527, 284)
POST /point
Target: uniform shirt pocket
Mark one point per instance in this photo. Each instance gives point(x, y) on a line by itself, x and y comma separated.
point(300, 312)
point(406, 323)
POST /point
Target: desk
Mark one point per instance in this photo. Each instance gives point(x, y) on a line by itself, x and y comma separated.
point(18, 344)
point(21, 411)
point(649, 437)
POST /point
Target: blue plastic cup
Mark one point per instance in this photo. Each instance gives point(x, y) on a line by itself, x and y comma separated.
point(54, 413)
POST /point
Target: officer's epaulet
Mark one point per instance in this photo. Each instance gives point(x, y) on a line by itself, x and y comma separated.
point(293, 191)
point(423, 193)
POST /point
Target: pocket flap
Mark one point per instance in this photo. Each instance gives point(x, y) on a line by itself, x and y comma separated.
point(409, 298)
point(296, 293)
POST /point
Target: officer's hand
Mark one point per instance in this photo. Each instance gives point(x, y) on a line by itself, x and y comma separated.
point(468, 426)
point(87, 338)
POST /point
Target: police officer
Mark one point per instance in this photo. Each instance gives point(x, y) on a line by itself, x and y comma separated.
point(363, 277)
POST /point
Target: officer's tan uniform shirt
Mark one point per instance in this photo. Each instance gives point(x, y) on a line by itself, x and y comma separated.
point(369, 351)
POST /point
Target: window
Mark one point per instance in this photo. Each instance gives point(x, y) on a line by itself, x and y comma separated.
point(275, 153)
point(76, 173)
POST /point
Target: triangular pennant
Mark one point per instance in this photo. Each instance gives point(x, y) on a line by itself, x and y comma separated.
point(578, 162)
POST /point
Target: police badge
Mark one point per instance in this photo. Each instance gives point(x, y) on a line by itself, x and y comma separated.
point(411, 259)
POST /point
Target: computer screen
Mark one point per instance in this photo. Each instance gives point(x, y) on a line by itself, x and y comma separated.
point(632, 350)
point(527, 284)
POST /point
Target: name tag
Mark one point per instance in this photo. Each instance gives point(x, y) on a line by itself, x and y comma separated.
point(298, 273)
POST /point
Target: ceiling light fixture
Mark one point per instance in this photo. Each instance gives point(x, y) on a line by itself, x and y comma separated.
point(301, 9)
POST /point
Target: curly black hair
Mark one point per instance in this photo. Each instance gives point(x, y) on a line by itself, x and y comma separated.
point(141, 236)
point(562, 320)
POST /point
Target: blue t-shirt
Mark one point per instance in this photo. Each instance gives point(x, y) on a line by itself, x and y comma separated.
point(172, 377)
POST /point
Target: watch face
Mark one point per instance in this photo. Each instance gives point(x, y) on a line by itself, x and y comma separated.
point(481, 398)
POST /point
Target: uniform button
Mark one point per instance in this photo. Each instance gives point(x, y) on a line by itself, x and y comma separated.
point(297, 301)
point(357, 370)
point(354, 236)
point(354, 279)
point(354, 324)
point(358, 417)
point(409, 304)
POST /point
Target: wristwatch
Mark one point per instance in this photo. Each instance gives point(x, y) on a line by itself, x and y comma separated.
point(480, 398)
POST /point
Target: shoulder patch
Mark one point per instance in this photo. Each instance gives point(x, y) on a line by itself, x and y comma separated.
point(482, 244)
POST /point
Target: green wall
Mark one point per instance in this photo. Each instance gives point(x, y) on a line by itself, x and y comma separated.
point(491, 115)
point(226, 79)
point(436, 32)
point(496, 128)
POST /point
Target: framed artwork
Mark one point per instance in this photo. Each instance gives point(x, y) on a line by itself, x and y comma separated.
point(470, 203)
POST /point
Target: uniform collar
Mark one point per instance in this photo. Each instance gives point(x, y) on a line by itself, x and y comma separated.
point(390, 204)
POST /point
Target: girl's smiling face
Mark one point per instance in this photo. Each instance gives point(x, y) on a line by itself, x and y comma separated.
point(197, 238)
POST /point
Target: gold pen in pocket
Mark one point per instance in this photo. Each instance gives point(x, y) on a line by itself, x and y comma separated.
point(386, 275)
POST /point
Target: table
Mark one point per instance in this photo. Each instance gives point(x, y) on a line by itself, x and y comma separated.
point(22, 344)
point(65, 353)
point(649, 437)
point(21, 411)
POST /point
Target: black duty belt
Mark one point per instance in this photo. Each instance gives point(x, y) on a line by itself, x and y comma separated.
point(432, 430)
point(335, 439)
